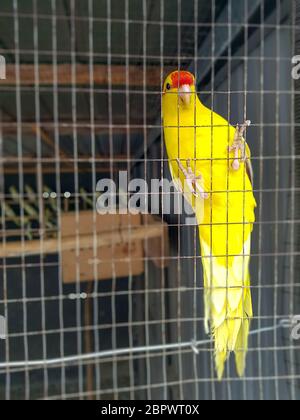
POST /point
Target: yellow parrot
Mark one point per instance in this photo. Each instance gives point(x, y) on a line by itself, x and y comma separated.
point(210, 163)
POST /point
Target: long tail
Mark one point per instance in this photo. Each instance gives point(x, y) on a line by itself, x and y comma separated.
point(228, 306)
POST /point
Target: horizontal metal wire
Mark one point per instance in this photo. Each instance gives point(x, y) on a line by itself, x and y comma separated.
point(183, 289)
point(117, 352)
point(160, 23)
point(186, 351)
point(161, 385)
point(177, 194)
point(43, 232)
point(120, 325)
point(118, 159)
point(150, 92)
point(111, 126)
point(163, 258)
point(194, 257)
point(150, 58)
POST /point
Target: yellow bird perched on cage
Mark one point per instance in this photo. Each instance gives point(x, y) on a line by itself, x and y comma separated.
point(210, 163)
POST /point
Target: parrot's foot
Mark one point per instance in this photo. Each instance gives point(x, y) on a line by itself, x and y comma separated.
point(239, 145)
point(192, 180)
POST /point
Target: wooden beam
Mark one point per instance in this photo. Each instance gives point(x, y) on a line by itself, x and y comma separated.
point(81, 159)
point(100, 75)
point(67, 164)
point(82, 128)
point(52, 246)
point(32, 170)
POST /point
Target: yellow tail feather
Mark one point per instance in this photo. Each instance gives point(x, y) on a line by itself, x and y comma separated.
point(228, 308)
point(220, 359)
point(241, 348)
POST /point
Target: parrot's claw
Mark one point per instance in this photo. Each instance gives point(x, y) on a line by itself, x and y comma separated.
point(192, 180)
point(239, 145)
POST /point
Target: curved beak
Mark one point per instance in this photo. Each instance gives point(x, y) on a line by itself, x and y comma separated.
point(185, 94)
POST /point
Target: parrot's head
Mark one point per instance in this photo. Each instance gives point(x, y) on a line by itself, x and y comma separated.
point(179, 91)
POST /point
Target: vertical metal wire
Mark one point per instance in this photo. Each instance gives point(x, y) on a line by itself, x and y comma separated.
point(261, 195)
point(77, 189)
point(163, 275)
point(40, 188)
point(128, 154)
point(277, 185)
point(145, 132)
point(5, 276)
point(58, 191)
point(21, 190)
point(94, 181)
point(179, 273)
point(111, 160)
point(212, 93)
point(244, 274)
point(195, 294)
point(229, 57)
point(293, 202)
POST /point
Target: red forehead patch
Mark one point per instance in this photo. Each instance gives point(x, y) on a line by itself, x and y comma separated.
point(182, 78)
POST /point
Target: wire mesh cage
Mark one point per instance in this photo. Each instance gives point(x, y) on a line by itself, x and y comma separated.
point(110, 306)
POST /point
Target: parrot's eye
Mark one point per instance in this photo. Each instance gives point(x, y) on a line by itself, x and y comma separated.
point(168, 86)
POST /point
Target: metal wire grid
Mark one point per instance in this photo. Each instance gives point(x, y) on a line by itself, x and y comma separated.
point(61, 367)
